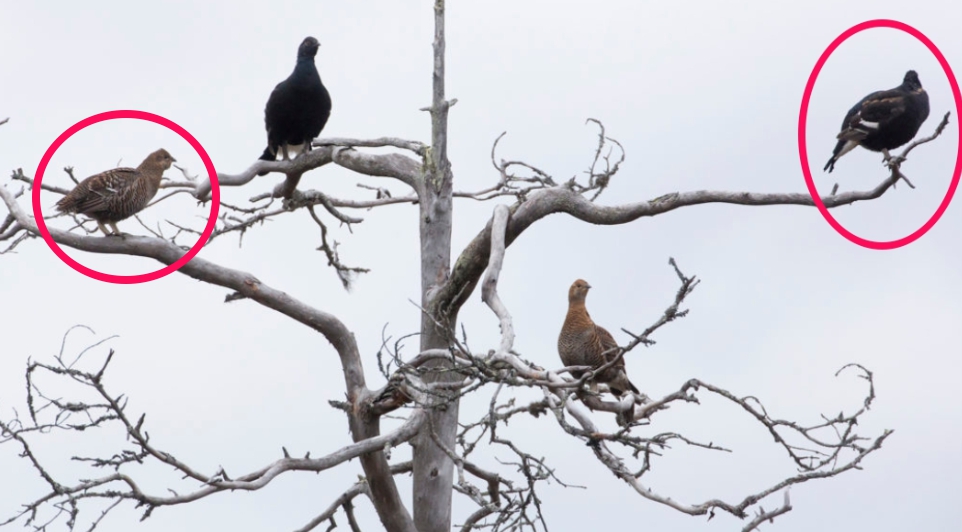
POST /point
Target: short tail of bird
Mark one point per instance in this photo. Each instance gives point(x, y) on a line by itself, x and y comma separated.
point(620, 385)
point(830, 165)
point(268, 155)
point(617, 387)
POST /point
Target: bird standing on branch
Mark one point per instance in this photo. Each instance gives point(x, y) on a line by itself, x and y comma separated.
point(583, 343)
point(298, 107)
point(883, 120)
point(117, 194)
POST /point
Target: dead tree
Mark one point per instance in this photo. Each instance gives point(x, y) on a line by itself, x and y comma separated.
point(428, 386)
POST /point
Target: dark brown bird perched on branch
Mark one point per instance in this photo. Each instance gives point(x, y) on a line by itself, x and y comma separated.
point(119, 193)
point(582, 343)
point(883, 120)
point(298, 107)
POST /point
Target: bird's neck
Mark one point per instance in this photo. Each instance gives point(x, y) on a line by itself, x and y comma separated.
point(576, 307)
point(306, 72)
point(151, 171)
point(304, 63)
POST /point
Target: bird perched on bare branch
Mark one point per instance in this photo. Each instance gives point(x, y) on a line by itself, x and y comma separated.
point(883, 120)
point(583, 343)
point(298, 107)
point(119, 193)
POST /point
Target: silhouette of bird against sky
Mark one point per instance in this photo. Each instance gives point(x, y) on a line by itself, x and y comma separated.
point(583, 343)
point(119, 193)
point(883, 120)
point(298, 107)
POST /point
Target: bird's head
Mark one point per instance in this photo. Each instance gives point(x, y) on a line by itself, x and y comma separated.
point(911, 80)
point(160, 159)
point(308, 47)
point(578, 291)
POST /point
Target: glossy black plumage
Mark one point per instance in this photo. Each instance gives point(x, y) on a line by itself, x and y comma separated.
point(118, 193)
point(883, 120)
point(298, 107)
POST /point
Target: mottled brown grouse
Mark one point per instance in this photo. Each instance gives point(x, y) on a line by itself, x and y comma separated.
point(582, 343)
point(119, 193)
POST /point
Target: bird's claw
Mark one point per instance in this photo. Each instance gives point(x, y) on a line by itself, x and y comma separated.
point(893, 162)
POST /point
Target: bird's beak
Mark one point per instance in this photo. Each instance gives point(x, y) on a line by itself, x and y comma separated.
point(588, 286)
point(173, 160)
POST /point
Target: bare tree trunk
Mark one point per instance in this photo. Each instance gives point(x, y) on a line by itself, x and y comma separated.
point(433, 469)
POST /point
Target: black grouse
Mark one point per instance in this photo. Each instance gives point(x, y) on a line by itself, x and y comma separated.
point(117, 194)
point(883, 120)
point(298, 107)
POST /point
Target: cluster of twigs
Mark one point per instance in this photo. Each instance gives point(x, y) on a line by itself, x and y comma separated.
point(819, 450)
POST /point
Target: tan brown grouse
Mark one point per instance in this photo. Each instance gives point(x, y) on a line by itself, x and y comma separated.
point(583, 343)
point(119, 193)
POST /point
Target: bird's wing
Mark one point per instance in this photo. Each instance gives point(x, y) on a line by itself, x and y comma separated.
point(103, 187)
point(273, 104)
point(873, 113)
point(608, 343)
point(884, 108)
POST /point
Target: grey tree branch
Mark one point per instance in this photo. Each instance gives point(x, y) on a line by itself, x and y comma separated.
point(411, 145)
point(769, 516)
point(542, 200)
point(392, 165)
point(539, 204)
point(359, 488)
point(489, 289)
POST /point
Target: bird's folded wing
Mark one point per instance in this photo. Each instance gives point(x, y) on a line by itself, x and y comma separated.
point(607, 341)
point(873, 113)
point(883, 109)
point(105, 186)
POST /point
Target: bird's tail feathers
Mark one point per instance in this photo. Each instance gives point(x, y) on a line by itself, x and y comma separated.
point(830, 165)
point(852, 134)
point(621, 384)
point(841, 148)
point(268, 155)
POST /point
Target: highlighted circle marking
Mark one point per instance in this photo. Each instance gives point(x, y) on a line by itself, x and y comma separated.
point(126, 279)
point(803, 150)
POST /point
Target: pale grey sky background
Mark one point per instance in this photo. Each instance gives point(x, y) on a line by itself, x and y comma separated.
point(703, 95)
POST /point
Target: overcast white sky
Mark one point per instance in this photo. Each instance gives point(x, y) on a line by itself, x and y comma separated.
point(703, 95)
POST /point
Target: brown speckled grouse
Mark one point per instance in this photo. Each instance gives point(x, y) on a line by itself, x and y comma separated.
point(298, 107)
point(117, 194)
point(582, 343)
point(883, 120)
